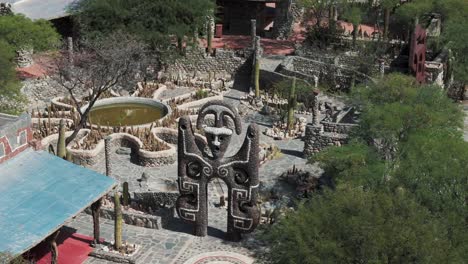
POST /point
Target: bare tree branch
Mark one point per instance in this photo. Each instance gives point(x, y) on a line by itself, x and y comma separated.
point(118, 61)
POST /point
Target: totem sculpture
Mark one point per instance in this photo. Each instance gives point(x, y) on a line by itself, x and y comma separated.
point(197, 167)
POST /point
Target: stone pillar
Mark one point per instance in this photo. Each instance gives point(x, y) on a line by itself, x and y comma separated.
point(70, 49)
point(107, 151)
point(253, 31)
point(315, 108)
point(24, 57)
point(316, 80)
point(5, 9)
point(382, 68)
point(311, 136)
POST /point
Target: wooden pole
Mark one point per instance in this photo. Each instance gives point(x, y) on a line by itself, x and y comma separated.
point(95, 210)
point(53, 247)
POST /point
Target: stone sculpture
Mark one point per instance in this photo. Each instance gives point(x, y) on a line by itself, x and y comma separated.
point(196, 168)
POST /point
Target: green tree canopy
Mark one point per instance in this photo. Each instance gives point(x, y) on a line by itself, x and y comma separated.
point(155, 21)
point(351, 225)
point(20, 31)
point(9, 84)
point(409, 140)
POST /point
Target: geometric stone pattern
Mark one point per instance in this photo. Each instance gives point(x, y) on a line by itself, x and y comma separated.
point(220, 257)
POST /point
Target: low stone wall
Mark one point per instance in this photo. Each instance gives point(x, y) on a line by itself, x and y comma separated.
point(340, 128)
point(93, 156)
point(152, 199)
point(315, 140)
point(269, 78)
point(198, 63)
point(332, 75)
point(131, 218)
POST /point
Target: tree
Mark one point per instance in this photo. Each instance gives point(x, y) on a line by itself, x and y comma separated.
point(154, 21)
point(351, 225)
point(10, 94)
point(387, 6)
point(117, 60)
point(321, 13)
point(396, 107)
point(409, 140)
point(353, 14)
point(20, 32)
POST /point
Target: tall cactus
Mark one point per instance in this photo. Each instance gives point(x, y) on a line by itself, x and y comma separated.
point(61, 146)
point(257, 56)
point(125, 194)
point(117, 222)
point(257, 78)
point(209, 35)
point(291, 104)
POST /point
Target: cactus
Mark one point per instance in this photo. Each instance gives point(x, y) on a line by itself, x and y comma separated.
point(61, 147)
point(125, 195)
point(257, 77)
point(209, 37)
point(291, 104)
point(117, 222)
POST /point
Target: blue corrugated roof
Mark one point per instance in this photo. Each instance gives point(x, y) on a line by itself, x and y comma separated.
point(38, 193)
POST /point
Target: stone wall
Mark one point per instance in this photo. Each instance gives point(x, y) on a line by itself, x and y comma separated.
point(316, 139)
point(5, 9)
point(224, 63)
point(331, 75)
point(340, 128)
point(131, 218)
point(352, 60)
point(287, 13)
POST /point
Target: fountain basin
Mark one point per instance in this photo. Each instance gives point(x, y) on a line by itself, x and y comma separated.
point(127, 111)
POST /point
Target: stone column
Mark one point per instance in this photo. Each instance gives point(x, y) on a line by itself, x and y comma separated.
point(382, 68)
point(107, 151)
point(5, 9)
point(24, 57)
point(311, 137)
point(70, 49)
point(315, 108)
point(253, 31)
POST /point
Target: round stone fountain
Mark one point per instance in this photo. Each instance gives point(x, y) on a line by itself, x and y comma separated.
point(137, 112)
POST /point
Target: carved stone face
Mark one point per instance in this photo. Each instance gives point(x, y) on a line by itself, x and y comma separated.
point(219, 135)
point(218, 140)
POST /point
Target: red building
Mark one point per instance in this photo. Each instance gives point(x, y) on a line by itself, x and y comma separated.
point(417, 57)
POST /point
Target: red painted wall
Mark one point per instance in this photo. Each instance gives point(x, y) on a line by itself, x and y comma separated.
point(9, 152)
point(417, 57)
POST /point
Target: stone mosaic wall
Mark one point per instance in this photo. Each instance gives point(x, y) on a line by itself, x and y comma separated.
point(287, 13)
point(315, 139)
point(331, 75)
point(224, 63)
point(340, 128)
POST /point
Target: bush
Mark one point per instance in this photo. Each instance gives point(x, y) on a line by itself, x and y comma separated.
point(20, 31)
point(355, 226)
